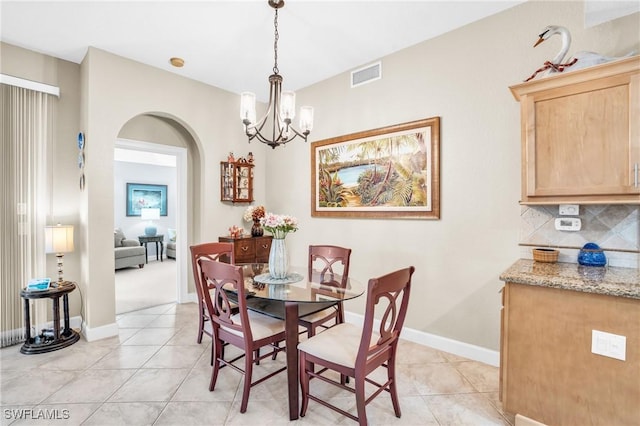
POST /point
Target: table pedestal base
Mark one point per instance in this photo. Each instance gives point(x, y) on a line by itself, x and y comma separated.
point(44, 343)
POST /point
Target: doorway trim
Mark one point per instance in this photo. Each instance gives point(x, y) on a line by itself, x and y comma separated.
point(181, 205)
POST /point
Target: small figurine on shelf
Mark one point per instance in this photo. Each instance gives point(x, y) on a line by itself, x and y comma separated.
point(235, 231)
point(250, 157)
point(230, 158)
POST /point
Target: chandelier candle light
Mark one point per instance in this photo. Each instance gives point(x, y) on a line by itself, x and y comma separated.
point(279, 226)
point(281, 108)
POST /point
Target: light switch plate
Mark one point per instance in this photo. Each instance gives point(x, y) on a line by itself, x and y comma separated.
point(569, 209)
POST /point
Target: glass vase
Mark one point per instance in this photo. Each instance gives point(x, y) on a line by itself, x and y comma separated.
point(278, 259)
point(256, 229)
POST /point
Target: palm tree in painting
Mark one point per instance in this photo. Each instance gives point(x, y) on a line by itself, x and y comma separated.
point(398, 185)
point(331, 191)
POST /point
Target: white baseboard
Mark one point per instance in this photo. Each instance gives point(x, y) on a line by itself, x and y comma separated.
point(191, 298)
point(526, 421)
point(97, 333)
point(465, 350)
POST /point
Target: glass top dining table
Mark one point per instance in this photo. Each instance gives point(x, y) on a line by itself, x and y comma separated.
point(292, 298)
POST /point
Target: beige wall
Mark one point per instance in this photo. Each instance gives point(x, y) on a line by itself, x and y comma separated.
point(119, 89)
point(462, 77)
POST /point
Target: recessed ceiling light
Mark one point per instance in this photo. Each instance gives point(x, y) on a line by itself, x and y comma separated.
point(177, 62)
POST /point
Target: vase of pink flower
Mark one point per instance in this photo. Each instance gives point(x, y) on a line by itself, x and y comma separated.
point(279, 226)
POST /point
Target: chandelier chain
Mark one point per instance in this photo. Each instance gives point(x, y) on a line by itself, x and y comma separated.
point(275, 43)
point(280, 108)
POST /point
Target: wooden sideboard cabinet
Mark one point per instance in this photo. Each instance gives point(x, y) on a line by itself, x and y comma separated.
point(580, 134)
point(249, 249)
point(236, 181)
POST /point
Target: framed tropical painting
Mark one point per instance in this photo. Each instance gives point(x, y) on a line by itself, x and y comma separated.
point(390, 172)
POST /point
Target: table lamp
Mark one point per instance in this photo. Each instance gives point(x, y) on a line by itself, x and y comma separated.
point(59, 240)
point(150, 215)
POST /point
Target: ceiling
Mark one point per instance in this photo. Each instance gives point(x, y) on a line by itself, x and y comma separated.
point(229, 44)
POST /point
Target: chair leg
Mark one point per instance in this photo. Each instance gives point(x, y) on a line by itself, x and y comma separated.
point(391, 374)
point(201, 323)
point(311, 331)
point(360, 399)
point(304, 383)
point(248, 371)
point(216, 352)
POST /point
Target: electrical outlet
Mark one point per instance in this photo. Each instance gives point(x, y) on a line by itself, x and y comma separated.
point(608, 344)
point(569, 209)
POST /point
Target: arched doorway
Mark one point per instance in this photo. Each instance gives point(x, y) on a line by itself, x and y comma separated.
point(155, 135)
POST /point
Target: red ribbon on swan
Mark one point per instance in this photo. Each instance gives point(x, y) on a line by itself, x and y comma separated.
point(556, 67)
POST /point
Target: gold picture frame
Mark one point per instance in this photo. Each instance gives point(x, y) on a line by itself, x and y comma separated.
point(390, 172)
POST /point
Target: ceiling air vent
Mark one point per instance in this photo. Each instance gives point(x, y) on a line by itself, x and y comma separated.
point(366, 74)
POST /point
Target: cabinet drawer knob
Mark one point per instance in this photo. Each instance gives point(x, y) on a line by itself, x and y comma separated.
point(245, 248)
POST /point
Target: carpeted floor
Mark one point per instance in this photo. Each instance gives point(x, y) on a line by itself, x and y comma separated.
point(153, 285)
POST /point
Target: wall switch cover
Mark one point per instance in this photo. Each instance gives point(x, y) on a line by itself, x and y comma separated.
point(608, 344)
point(569, 209)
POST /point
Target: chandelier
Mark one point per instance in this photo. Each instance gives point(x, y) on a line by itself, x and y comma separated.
point(281, 109)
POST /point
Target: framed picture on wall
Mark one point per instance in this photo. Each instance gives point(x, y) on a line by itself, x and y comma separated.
point(146, 196)
point(391, 172)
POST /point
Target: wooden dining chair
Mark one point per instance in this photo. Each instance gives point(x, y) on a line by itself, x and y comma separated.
point(211, 251)
point(332, 265)
point(247, 330)
point(357, 351)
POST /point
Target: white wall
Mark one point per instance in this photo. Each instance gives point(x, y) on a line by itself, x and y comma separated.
point(132, 226)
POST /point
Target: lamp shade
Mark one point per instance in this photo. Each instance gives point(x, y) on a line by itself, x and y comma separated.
point(58, 239)
point(150, 214)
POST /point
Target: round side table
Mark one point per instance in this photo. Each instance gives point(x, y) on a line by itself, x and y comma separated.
point(51, 339)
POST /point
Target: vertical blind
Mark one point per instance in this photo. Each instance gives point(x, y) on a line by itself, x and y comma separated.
point(27, 126)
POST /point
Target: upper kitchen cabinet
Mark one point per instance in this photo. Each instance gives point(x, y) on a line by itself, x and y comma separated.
point(581, 135)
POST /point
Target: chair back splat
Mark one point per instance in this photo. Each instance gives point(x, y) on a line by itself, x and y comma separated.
point(388, 295)
point(323, 258)
point(247, 330)
point(332, 265)
point(357, 351)
point(212, 251)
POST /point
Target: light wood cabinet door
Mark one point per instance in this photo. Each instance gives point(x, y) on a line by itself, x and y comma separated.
point(548, 371)
point(581, 136)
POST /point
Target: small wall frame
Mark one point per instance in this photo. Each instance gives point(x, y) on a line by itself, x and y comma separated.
point(143, 196)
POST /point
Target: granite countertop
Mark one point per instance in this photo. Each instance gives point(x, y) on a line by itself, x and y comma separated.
point(611, 281)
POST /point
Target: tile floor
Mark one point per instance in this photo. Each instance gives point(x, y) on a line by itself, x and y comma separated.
point(154, 373)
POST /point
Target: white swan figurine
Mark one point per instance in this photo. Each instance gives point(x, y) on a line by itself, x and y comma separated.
point(579, 60)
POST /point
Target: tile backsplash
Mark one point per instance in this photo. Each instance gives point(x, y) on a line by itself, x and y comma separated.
point(615, 228)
